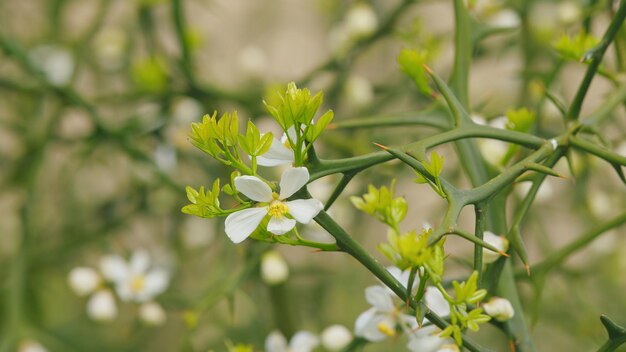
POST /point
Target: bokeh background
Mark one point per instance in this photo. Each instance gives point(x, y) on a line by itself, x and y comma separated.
point(96, 101)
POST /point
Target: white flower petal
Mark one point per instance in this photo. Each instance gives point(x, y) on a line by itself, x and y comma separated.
point(241, 224)
point(303, 210)
point(366, 325)
point(379, 298)
point(114, 268)
point(139, 261)
point(336, 337)
point(278, 154)
point(303, 341)
point(83, 281)
point(152, 313)
point(275, 342)
point(253, 188)
point(436, 302)
point(155, 283)
point(292, 180)
point(101, 306)
point(424, 342)
point(280, 225)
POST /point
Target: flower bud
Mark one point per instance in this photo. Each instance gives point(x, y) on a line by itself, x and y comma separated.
point(31, 346)
point(499, 308)
point(274, 269)
point(101, 306)
point(83, 281)
point(361, 21)
point(500, 242)
point(152, 313)
point(336, 337)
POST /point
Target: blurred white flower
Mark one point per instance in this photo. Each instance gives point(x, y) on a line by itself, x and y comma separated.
point(252, 61)
point(425, 339)
point(280, 152)
point(569, 12)
point(274, 269)
point(359, 91)
point(165, 157)
point(301, 341)
point(499, 308)
point(500, 242)
point(493, 150)
point(336, 337)
point(84, 281)
point(186, 110)
point(31, 346)
point(505, 18)
point(109, 47)
point(240, 224)
point(152, 313)
point(381, 321)
point(449, 348)
point(55, 62)
point(544, 194)
point(135, 281)
point(360, 21)
point(436, 302)
point(101, 306)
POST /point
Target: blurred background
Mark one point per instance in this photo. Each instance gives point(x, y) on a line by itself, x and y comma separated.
point(96, 101)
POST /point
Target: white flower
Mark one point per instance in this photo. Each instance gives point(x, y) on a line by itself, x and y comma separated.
point(240, 224)
point(361, 21)
point(436, 302)
point(449, 348)
point(31, 346)
point(336, 337)
point(55, 62)
point(280, 152)
point(101, 306)
point(152, 313)
point(499, 308)
point(302, 341)
point(425, 339)
point(380, 321)
point(274, 269)
point(84, 281)
point(135, 281)
point(359, 91)
point(500, 242)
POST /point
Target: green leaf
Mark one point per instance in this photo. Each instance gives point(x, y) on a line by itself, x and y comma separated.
point(412, 64)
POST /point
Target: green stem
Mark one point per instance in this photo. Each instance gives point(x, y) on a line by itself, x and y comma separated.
point(479, 228)
point(596, 54)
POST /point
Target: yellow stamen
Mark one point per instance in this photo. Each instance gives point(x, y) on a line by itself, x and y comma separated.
point(138, 283)
point(385, 329)
point(277, 208)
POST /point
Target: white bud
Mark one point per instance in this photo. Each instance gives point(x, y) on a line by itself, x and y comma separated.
point(505, 19)
point(55, 62)
point(31, 346)
point(499, 308)
point(252, 61)
point(449, 348)
point(152, 313)
point(359, 91)
point(336, 337)
point(101, 306)
point(569, 12)
point(274, 269)
point(361, 21)
point(83, 281)
point(500, 242)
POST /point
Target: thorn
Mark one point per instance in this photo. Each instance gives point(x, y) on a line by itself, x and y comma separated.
point(316, 250)
point(512, 345)
point(430, 72)
point(331, 127)
point(527, 267)
point(504, 254)
point(381, 146)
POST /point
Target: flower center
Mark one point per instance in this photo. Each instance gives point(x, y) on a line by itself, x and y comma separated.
point(277, 208)
point(137, 283)
point(385, 329)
